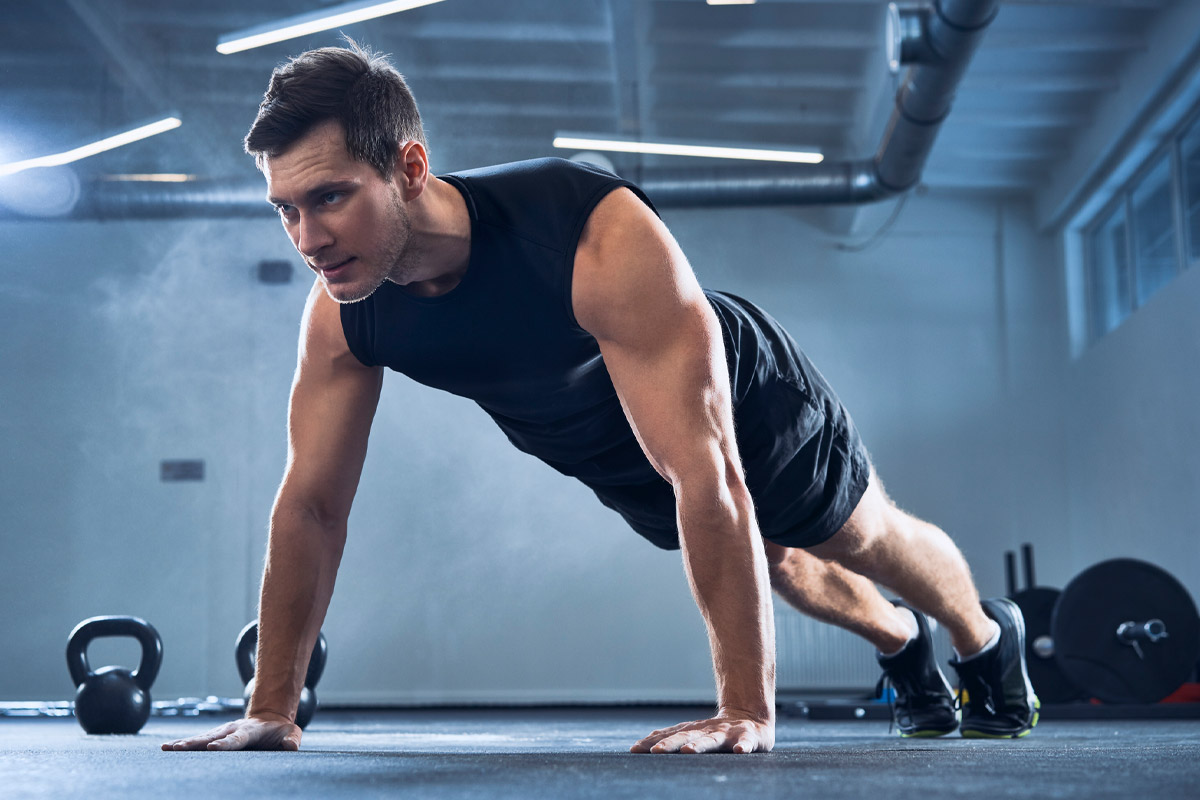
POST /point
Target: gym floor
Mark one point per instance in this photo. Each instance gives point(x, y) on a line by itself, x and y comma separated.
point(583, 752)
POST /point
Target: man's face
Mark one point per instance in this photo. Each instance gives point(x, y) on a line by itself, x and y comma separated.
point(349, 224)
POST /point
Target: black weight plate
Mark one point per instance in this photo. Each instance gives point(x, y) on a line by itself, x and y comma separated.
point(1084, 626)
point(1049, 682)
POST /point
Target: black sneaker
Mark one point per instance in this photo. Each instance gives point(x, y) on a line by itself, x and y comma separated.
point(1000, 703)
point(924, 704)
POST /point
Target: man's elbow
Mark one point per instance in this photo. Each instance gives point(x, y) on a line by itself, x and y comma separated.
point(311, 511)
point(714, 497)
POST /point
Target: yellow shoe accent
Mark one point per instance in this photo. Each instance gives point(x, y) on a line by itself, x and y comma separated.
point(925, 734)
point(974, 734)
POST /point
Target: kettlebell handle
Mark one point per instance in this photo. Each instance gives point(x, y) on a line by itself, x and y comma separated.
point(247, 645)
point(97, 627)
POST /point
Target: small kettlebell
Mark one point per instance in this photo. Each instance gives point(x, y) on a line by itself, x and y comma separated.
point(113, 699)
point(247, 645)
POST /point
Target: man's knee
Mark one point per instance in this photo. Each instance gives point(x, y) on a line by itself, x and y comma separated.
point(776, 554)
point(873, 522)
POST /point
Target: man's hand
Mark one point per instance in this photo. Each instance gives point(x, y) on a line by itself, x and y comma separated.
point(731, 731)
point(252, 733)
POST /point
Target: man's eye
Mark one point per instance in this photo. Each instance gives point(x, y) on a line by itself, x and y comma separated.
point(331, 197)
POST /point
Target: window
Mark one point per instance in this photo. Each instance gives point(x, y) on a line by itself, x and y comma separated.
point(1146, 234)
point(1155, 258)
point(1189, 149)
point(1111, 300)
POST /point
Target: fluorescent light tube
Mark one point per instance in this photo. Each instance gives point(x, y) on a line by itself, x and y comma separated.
point(312, 22)
point(731, 2)
point(92, 149)
point(151, 177)
point(704, 151)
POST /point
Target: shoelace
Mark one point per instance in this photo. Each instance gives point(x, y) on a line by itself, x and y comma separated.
point(976, 688)
point(885, 683)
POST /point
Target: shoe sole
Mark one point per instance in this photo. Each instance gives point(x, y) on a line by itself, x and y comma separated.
point(974, 733)
point(927, 734)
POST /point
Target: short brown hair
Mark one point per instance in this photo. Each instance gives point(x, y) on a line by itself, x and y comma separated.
point(354, 86)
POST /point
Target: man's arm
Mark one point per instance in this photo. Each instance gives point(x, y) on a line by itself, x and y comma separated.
point(332, 405)
point(661, 341)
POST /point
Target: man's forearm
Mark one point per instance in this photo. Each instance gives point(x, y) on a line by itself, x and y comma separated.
point(302, 562)
point(727, 569)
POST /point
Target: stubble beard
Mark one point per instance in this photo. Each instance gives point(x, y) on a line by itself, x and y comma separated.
point(395, 261)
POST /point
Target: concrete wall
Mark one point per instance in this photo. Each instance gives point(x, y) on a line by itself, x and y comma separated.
point(1133, 430)
point(473, 572)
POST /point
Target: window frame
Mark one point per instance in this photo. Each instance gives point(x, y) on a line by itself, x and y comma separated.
point(1191, 124)
point(1164, 152)
point(1171, 148)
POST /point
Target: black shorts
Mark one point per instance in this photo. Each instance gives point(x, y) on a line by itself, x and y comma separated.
point(808, 497)
point(806, 467)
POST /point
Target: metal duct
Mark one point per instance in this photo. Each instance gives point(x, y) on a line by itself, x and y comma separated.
point(103, 200)
point(121, 200)
point(951, 30)
point(823, 184)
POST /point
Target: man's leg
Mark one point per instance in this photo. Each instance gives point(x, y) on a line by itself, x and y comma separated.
point(919, 561)
point(915, 559)
point(833, 582)
point(827, 591)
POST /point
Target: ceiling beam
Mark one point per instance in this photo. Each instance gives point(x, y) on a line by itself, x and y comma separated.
point(765, 38)
point(514, 110)
point(626, 54)
point(1160, 79)
point(1149, 5)
point(514, 73)
point(1016, 119)
point(1062, 41)
point(110, 45)
point(1038, 83)
point(746, 80)
point(757, 116)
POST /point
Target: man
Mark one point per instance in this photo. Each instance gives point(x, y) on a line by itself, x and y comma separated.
point(552, 295)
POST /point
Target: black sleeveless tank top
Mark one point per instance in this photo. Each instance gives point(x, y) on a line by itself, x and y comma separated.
point(506, 337)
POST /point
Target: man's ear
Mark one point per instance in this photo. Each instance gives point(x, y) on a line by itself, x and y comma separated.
point(412, 169)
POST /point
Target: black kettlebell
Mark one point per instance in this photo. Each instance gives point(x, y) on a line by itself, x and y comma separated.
point(113, 699)
point(247, 644)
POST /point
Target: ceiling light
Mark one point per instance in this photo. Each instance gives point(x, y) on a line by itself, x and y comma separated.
point(731, 2)
point(703, 151)
point(151, 177)
point(312, 22)
point(92, 149)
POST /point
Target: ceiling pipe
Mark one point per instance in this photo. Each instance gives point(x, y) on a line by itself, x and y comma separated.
point(937, 41)
point(950, 32)
point(134, 200)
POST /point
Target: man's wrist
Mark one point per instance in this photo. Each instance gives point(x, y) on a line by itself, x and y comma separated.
point(762, 714)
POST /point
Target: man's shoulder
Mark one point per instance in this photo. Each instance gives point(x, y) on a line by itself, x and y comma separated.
point(541, 200)
point(531, 169)
point(539, 194)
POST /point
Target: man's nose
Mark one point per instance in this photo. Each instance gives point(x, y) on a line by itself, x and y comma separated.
point(312, 237)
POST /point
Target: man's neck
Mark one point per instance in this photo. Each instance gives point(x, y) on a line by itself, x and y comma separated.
point(441, 239)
